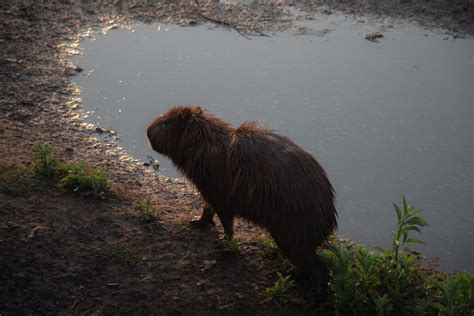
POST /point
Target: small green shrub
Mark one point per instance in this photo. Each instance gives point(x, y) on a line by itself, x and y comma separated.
point(280, 292)
point(269, 245)
point(232, 246)
point(77, 177)
point(454, 295)
point(119, 254)
point(84, 180)
point(393, 281)
point(283, 265)
point(45, 164)
point(18, 179)
point(147, 211)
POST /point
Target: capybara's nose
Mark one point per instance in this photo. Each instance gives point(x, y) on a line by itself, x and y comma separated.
point(149, 131)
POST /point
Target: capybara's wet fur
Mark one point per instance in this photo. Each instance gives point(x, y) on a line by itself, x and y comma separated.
point(254, 173)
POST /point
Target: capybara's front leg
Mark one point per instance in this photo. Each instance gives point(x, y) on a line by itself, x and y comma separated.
point(206, 219)
point(227, 221)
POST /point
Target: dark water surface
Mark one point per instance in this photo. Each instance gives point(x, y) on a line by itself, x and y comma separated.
point(385, 119)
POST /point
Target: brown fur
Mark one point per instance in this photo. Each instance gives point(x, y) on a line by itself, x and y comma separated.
point(254, 173)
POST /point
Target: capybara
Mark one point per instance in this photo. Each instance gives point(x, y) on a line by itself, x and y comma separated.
point(253, 173)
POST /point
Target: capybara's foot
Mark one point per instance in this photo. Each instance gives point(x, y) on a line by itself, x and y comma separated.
point(202, 223)
point(318, 281)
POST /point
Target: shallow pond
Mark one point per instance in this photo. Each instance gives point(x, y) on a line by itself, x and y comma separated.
point(385, 119)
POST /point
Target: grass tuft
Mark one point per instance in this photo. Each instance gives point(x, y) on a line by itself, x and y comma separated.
point(77, 177)
point(269, 246)
point(279, 293)
point(232, 246)
point(147, 211)
point(84, 180)
point(45, 163)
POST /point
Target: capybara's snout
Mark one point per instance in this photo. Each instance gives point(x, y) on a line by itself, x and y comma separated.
point(151, 133)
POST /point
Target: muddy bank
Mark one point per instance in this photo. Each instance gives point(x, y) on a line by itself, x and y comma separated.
point(453, 17)
point(36, 40)
point(51, 242)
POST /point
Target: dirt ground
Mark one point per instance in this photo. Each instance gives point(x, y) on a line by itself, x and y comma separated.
point(63, 254)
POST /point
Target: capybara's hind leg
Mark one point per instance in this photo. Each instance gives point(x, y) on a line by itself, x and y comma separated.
point(206, 219)
point(321, 276)
point(314, 267)
point(308, 263)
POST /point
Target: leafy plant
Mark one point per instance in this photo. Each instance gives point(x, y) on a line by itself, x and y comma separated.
point(279, 292)
point(269, 245)
point(387, 281)
point(45, 164)
point(343, 286)
point(455, 295)
point(232, 246)
point(84, 180)
point(147, 211)
point(408, 221)
point(382, 305)
point(283, 265)
point(77, 177)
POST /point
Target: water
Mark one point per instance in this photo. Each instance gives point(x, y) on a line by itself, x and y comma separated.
point(385, 119)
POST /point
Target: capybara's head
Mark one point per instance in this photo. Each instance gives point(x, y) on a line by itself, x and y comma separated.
point(171, 132)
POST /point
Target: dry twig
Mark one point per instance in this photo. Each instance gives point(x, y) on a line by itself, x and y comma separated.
point(227, 24)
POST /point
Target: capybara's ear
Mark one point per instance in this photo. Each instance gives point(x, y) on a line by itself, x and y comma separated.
point(183, 116)
point(198, 110)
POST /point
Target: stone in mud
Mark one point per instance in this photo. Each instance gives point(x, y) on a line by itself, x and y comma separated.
point(373, 36)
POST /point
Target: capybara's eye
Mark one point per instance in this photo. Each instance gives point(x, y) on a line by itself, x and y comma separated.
point(166, 122)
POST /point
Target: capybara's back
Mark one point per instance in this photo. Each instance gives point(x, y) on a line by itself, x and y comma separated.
point(254, 173)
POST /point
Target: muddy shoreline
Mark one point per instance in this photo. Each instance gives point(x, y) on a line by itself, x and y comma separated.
point(37, 40)
point(51, 271)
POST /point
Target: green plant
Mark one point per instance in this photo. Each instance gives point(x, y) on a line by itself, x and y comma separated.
point(370, 283)
point(18, 179)
point(382, 281)
point(74, 176)
point(343, 285)
point(45, 164)
point(283, 265)
point(393, 281)
point(232, 246)
point(455, 295)
point(421, 307)
point(408, 221)
point(147, 211)
point(382, 305)
point(119, 254)
point(279, 292)
point(269, 245)
point(84, 180)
